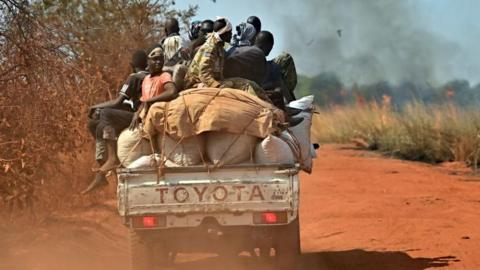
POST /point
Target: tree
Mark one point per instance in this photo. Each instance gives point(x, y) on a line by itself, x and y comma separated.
point(57, 58)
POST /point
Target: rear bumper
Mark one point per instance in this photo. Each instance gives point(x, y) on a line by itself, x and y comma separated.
point(172, 221)
point(211, 237)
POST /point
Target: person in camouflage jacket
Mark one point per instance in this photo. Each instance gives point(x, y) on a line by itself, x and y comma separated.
point(206, 68)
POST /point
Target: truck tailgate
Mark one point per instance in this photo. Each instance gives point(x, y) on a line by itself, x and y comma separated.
point(224, 190)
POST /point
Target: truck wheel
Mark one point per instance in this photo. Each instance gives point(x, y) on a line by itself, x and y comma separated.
point(141, 252)
point(287, 249)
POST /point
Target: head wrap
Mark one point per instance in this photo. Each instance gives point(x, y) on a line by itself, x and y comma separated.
point(246, 33)
point(158, 51)
point(194, 30)
point(226, 28)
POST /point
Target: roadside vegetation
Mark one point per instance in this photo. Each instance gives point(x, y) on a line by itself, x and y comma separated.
point(57, 58)
point(409, 120)
point(421, 132)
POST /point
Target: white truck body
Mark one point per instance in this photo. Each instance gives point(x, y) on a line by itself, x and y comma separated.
point(227, 210)
point(231, 195)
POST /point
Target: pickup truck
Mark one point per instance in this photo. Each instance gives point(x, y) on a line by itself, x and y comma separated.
point(249, 208)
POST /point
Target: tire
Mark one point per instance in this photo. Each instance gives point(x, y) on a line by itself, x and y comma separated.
point(287, 248)
point(147, 254)
point(141, 252)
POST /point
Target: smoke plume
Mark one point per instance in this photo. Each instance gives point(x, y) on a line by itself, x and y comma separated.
point(365, 41)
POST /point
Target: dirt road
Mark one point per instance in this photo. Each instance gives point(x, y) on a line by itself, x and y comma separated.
point(359, 211)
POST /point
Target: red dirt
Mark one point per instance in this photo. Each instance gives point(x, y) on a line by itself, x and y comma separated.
point(359, 211)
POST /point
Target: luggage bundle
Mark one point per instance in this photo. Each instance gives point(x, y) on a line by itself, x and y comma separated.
point(216, 127)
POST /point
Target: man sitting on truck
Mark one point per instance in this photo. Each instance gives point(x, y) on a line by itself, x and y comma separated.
point(173, 44)
point(206, 68)
point(255, 21)
point(156, 87)
point(249, 62)
point(128, 100)
point(199, 38)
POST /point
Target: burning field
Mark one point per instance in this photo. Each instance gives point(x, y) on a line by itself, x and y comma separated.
point(419, 132)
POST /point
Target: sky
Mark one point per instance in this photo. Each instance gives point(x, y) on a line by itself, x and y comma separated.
point(418, 40)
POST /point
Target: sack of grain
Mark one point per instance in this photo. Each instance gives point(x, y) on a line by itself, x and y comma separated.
point(225, 148)
point(186, 152)
point(274, 150)
point(131, 146)
point(147, 161)
point(302, 131)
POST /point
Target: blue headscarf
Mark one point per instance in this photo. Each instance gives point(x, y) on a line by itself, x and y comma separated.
point(194, 30)
point(245, 33)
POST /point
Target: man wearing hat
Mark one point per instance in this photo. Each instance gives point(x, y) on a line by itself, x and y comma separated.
point(155, 87)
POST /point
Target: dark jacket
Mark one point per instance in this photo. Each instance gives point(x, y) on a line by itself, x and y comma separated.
point(246, 62)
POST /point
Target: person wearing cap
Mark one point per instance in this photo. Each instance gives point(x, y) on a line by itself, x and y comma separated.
point(158, 86)
point(155, 87)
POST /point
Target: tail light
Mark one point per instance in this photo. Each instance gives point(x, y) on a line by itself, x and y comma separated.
point(147, 222)
point(270, 218)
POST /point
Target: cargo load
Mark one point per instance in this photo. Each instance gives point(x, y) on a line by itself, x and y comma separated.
point(210, 109)
point(149, 161)
point(131, 146)
point(229, 148)
point(216, 127)
point(282, 149)
point(183, 152)
point(302, 131)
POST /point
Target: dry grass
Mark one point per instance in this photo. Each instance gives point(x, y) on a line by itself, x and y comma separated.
point(419, 132)
point(57, 58)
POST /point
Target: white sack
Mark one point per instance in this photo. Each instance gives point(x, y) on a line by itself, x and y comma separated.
point(131, 146)
point(149, 161)
point(302, 131)
point(225, 148)
point(304, 103)
point(273, 149)
point(186, 153)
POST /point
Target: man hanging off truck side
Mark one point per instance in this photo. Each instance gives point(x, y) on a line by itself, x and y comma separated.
point(128, 100)
point(110, 121)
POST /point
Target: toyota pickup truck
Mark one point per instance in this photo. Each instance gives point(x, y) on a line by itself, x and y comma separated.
point(250, 208)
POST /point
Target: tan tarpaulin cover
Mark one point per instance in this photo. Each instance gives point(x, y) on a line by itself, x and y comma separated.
point(212, 109)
